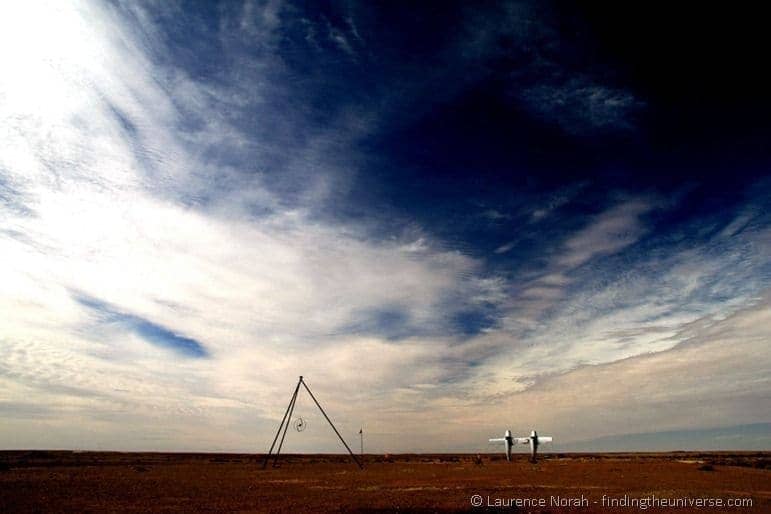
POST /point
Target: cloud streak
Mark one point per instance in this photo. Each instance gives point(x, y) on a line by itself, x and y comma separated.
point(155, 334)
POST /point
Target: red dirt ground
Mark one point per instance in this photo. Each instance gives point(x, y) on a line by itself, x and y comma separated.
point(48, 481)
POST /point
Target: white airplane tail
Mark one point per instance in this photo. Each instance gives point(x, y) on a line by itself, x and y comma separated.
point(507, 443)
point(534, 440)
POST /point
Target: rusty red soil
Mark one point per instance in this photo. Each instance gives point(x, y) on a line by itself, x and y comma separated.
point(60, 481)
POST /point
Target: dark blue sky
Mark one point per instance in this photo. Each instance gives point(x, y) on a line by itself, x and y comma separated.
point(499, 126)
point(467, 119)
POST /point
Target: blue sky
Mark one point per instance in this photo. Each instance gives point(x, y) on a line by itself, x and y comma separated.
point(518, 215)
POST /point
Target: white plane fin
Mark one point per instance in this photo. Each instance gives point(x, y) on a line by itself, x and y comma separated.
point(544, 439)
point(499, 440)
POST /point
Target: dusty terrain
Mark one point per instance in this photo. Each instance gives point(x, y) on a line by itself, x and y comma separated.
point(141, 482)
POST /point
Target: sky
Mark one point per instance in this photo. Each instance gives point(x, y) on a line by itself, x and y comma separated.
point(453, 219)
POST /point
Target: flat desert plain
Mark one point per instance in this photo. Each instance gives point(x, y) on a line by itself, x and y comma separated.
point(61, 481)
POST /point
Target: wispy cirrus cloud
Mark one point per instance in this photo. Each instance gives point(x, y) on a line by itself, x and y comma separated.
point(580, 106)
point(541, 75)
point(128, 201)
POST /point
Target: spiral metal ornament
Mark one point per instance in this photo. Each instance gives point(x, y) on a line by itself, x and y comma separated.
point(300, 424)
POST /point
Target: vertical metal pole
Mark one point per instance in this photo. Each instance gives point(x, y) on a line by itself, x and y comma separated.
point(361, 436)
point(286, 412)
point(331, 424)
point(286, 427)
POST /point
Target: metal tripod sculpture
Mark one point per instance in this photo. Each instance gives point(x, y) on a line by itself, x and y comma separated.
point(282, 428)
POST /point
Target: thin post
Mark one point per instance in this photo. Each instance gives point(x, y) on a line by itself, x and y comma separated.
point(286, 427)
point(361, 436)
point(331, 424)
point(286, 412)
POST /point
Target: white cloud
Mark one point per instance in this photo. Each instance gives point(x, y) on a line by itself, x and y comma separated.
point(338, 38)
point(504, 248)
point(723, 365)
point(608, 233)
point(97, 148)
